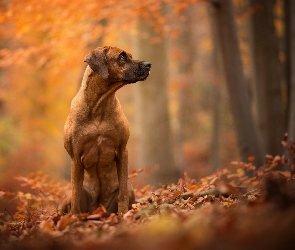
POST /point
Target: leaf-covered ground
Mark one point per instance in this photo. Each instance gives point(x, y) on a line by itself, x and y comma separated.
point(226, 210)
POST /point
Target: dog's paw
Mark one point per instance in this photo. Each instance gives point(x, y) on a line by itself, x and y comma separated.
point(122, 209)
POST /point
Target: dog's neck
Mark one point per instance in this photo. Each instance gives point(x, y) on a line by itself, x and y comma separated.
point(96, 89)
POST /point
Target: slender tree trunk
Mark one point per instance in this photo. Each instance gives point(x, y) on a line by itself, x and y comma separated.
point(216, 120)
point(268, 78)
point(216, 89)
point(290, 39)
point(238, 91)
point(155, 146)
point(186, 81)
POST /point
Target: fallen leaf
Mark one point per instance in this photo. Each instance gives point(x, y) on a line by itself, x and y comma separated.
point(251, 158)
point(65, 221)
point(46, 227)
point(175, 195)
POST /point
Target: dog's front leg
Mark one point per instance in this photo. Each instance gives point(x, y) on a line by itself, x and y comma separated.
point(122, 170)
point(77, 176)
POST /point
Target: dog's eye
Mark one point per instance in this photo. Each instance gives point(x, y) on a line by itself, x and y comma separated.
point(123, 56)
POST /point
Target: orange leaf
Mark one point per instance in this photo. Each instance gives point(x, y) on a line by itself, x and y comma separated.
point(176, 194)
point(192, 187)
point(65, 221)
point(100, 209)
point(46, 227)
point(251, 158)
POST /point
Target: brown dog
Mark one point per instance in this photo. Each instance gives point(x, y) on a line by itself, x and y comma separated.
point(96, 133)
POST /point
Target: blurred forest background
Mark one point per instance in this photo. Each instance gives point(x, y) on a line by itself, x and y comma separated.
point(221, 86)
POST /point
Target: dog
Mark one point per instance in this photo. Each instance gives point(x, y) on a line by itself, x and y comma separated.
point(96, 133)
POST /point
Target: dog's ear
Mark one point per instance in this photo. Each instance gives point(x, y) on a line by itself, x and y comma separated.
point(97, 62)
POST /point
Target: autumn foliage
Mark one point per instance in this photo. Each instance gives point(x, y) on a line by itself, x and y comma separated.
point(229, 209)
point(42, 46)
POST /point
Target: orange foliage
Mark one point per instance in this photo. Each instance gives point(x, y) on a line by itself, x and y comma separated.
point(225, 208)
point(44, 42)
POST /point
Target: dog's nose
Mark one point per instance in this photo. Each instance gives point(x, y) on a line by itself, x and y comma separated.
point(147, 64)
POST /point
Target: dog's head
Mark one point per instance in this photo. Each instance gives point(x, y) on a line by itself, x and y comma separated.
point(116, 65)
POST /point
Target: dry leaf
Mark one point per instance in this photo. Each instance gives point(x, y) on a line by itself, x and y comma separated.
point(65, 221)
point(175, 195)
point(251, 158)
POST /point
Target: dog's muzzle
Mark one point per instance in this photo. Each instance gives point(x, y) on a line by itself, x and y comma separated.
point(147, 64)
point(139, 72)
point(144, 71)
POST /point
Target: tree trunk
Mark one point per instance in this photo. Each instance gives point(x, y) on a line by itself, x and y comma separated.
point(217, 100)
point(290, 51)
point(238, 91)
point(153, 126)
point(268, 78)
point(186, 81)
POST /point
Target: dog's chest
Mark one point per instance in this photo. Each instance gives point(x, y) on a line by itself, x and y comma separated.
point(115, 130)
point(105, 140)
point(114, 123)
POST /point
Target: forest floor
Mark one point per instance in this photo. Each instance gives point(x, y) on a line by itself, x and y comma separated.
point(226, 210)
